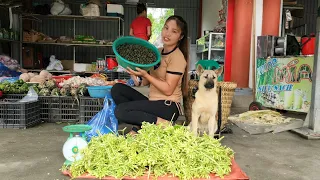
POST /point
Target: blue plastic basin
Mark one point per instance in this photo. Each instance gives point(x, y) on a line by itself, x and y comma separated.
point(99, 91)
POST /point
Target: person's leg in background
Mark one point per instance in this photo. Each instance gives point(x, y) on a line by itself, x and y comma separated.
point(154, 112)
point(122, 93)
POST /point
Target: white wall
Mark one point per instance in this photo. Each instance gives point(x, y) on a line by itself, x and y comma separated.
point(210, 14)
point(256, 31)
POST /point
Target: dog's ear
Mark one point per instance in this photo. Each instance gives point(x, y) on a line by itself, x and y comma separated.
point(219, 71)
point(199, 69)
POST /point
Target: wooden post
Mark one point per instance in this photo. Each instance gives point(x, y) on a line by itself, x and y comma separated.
point(241, 42)
point(229, 38)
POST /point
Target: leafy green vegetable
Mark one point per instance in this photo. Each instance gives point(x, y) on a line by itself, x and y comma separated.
point(83, 91)
point(159, 152)
point(65, 91)
point(50, 84)
point(55, 92)
point(18, 87)
point(44, 92)
point(35, 87)
point(42, 86)
point(2, 86)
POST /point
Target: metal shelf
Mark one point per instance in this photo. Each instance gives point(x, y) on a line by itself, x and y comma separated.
point(51, 71)
point(72, 72)
point(74, 17)
point(212, 49)
point(65, 72)
point(42, 19)
point(205, 45)
point(69, 44)
point(8, 40)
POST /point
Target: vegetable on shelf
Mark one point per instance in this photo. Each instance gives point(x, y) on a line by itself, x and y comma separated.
point(100, 76)
point(77, 81)
point(45, 74)
point(55, 92)
point(25, 77)
point(18, 87)
point(38, 79)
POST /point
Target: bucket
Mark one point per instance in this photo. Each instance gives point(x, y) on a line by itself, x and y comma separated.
point(133, 40)
point(111, 63)
point(308, 44)
point(99, 91)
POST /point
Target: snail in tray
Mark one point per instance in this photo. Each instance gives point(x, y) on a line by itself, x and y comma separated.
point(137, 53)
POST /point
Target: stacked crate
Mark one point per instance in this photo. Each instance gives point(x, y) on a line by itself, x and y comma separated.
point(19, 115)
point(65, 108)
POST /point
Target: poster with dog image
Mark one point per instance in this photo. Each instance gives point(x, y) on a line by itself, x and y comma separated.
point(285, 83)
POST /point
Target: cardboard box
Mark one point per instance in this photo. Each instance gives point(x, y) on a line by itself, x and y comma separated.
point(28, 57)
point(67, 64)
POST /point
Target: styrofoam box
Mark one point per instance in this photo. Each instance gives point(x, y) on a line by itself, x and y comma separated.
point(115, 8)
point(81, 67)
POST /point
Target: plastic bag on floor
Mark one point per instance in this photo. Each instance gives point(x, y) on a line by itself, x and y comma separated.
point(105, 121)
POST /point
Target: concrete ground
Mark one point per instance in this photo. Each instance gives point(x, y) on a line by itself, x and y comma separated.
point(36, 154)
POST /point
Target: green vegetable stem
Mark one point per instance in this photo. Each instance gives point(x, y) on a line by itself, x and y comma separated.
point(154, 151)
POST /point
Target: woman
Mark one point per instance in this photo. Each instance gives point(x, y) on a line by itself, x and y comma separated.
point(166, 82)
point(141, 26)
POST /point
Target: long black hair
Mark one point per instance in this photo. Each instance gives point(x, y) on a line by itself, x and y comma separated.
point(184, 47)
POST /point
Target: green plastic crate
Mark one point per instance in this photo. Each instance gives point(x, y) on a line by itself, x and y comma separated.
point(210, 65)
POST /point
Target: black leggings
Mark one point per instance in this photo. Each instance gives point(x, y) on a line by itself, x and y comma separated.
point(134, 108)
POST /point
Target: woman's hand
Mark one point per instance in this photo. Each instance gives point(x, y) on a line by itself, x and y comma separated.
point(139, 72)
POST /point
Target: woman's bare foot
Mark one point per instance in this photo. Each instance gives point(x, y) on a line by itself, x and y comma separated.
point(163, 122)
point(132, 133)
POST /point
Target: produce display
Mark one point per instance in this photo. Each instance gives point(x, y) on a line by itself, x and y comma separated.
point(9, 34)
point(155, 151)
point(46, 85)
point(77, 81)
point(35, 36)
point(18, 87)
point(35, 78)
point(267, 117)
point(137, 53)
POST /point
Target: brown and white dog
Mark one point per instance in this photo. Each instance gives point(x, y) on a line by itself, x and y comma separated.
point(205, 106)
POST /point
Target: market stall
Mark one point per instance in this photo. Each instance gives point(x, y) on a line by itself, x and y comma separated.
point(68, 98)
point(283, 76)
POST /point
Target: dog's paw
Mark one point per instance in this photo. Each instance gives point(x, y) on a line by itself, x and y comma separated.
point(217, 136)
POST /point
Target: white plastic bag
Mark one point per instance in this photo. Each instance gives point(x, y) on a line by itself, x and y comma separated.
point(121, 69)
point(55, 64)
point(31, 96)
point(90, 10)
point(60, 8)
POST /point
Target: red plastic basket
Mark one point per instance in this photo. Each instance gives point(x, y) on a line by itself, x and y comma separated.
point(60, 79)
